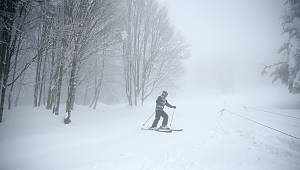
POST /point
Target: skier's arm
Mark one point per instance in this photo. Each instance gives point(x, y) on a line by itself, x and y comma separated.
point(169, 105)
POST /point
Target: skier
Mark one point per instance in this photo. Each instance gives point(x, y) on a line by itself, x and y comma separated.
point(161, 101)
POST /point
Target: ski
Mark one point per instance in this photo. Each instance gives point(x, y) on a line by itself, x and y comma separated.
point(177, 130)
point(159, 130)
point(163, 130)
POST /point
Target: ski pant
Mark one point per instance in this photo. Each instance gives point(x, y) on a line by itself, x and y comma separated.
point(158, 114)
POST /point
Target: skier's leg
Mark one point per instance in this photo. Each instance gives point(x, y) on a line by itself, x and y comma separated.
point(157, 117)
point(165, 116)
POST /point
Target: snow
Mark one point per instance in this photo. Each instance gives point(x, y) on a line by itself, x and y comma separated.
point(110, 137)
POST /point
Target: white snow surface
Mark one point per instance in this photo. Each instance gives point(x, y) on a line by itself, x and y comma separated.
point(110, 137)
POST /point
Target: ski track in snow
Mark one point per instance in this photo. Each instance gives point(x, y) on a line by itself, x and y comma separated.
point(110, 138)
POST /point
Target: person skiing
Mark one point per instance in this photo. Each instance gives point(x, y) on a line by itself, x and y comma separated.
point(161, 102)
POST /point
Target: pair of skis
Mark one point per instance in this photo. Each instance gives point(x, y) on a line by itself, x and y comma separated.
point(162, 130)
point(165, 130)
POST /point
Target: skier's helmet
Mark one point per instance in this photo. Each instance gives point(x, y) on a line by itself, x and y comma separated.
point(164, 93)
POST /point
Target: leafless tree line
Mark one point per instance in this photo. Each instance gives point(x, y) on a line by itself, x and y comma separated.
point(152, 49)
point(69, 48)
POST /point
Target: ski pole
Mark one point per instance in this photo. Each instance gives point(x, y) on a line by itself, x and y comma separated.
point(172, 118)
point(148, 118)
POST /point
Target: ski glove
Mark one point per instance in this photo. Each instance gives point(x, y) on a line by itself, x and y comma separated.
point(174, 107)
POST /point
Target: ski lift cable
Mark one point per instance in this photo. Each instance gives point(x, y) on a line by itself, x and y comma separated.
point(266, 111)
point(274, 113)
point(261, 124)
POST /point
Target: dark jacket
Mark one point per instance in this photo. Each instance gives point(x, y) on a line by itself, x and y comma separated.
point(161, 102)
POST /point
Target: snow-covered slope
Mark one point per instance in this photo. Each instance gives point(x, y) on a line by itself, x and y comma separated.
point(110, 138)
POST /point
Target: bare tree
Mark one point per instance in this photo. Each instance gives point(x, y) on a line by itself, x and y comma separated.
point(64, 46)
point(91, 20)
point(150, 57)
point(12, 20)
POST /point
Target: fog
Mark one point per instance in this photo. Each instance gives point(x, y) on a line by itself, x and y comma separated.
point(150, 84)
point(229, 42)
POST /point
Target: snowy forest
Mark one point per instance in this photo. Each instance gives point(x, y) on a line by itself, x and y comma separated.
point(149, 85)
point(78, 51)
point(288, 68)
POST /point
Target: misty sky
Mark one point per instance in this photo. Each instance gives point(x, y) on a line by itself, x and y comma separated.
point(229, 40)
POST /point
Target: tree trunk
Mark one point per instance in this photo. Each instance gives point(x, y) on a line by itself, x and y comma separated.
point(37, 80)
point(19, 90)
point(14, 74)
point(42, 83)
point(71, 89)
point(8, 6)
point(58, 92)
point(86, 93)
point(50, 95)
